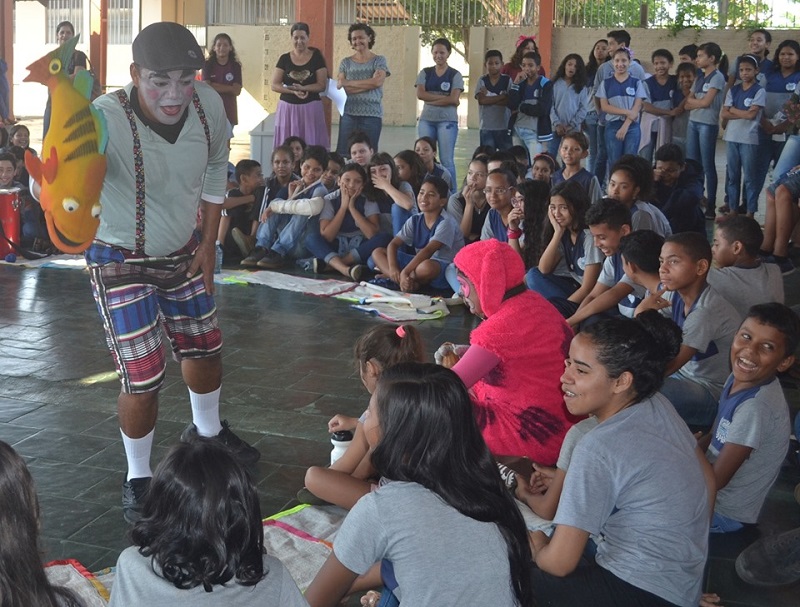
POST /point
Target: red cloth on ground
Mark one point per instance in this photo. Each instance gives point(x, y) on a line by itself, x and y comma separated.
point(519, 404)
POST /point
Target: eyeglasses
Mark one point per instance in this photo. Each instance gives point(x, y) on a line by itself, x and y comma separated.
point(490, 191)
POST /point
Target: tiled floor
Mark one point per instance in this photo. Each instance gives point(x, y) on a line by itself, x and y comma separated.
point(288, 368)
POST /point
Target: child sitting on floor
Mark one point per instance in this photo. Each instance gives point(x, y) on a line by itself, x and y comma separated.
point(570, 264)
point(280, 233)
point(349, 227)
point(514, 357)
point(499, 193)
point(631, 182)
point(200, 541)
point(709, 322)
point(638, 479)
point(750, 437)
point(440, 499)
point(436, 239)
point(574, 149)
point(238, 208)
point(352, 476)
point(609, 220)
point(740, 276)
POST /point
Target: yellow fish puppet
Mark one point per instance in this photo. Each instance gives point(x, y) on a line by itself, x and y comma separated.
point(73, 164)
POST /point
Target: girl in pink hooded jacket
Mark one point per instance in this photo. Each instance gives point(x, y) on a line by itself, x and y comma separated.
point(516, 356)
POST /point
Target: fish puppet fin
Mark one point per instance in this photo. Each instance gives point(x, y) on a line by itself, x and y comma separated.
point(83, 83)
point(34, 166)
point(101, 127)
point(49, 166)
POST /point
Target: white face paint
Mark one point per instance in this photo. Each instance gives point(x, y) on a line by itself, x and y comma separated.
point(163, 96)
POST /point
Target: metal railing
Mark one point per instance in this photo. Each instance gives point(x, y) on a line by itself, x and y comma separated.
point(120, 21)
point(459, 13)
point(672, 14)
point(62, 10)
point(250, 12)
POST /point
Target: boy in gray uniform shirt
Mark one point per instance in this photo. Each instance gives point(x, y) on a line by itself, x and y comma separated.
point(748, 442)
point(709, 322)
point(740, 276)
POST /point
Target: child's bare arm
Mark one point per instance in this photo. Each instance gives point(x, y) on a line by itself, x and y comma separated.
point(354, 453)
point(730, 459)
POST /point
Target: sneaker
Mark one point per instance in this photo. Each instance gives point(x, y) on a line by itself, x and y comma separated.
point(771, 561)
point(245, 454)
point(357, 272)
point(245, 243)
point(272, 261)
point(251, 261)
point(304, 496)
point(133, 494)
point(318, 265)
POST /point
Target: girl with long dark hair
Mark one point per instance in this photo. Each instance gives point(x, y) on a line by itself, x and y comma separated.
point(23, 582)
point(441, 507)
point(223, 72)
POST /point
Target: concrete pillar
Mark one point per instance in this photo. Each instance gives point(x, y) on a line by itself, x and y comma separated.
point(98, 38)
point(477, 48)
point(7, 46)
point(319, 16)
point(547, 12)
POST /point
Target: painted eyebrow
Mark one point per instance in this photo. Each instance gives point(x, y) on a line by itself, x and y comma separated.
point(581, 363)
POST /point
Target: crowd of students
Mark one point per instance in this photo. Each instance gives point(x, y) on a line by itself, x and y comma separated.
point(619, 399)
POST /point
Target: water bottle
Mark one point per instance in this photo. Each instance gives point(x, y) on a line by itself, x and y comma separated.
point(341, 441)
point(218, 262)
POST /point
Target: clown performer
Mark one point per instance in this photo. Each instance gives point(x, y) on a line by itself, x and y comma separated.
point(149, 266)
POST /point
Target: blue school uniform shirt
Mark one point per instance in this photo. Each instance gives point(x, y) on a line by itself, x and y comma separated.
point(583, 178)
point(661, 95)
point(417, 234)
point(779, 89)
point(621, 94)
point(493, 227)
point(744, 131)
point(440, 85)
point(333, 202)
point(702, 85)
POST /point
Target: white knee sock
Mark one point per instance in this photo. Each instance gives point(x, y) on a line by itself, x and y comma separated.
point(205, 412)
point(137, 450)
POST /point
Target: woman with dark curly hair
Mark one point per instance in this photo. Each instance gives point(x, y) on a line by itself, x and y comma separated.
point(200, 540)
point(361, 76)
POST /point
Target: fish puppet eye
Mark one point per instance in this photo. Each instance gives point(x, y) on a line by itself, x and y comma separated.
point(55, 66)
point(96, 210)
point(70, 205)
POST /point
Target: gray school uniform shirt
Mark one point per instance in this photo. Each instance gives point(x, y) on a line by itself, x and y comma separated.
point(439, 556)
point(433, 113)
point(606, 70)
point(701, 87)
point(636, 480)
point(569, 107)
point(646, 216)
point(137, 584)
point(589, 256)
point(574, 434)
point(709, 327)
point(762, 423)
point(747, 287)
point(492, 117)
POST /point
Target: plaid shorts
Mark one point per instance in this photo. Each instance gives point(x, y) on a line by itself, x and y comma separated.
point(136, 300)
